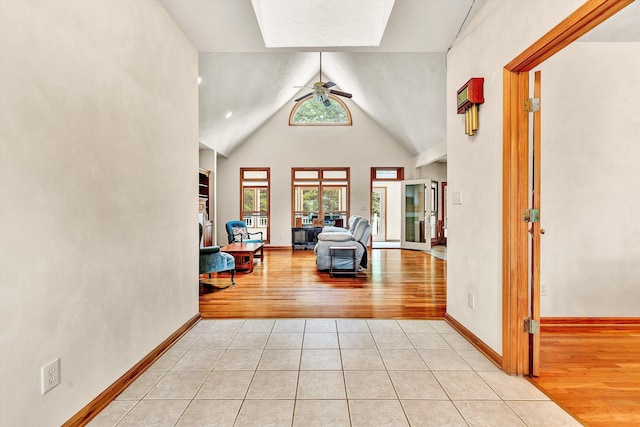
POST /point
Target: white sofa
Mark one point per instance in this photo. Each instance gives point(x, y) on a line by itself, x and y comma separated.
point(351, 223)
point(356, 236)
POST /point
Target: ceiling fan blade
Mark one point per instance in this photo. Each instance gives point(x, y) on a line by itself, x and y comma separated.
point(329, 84)
point(303, 97)
point(339, 93)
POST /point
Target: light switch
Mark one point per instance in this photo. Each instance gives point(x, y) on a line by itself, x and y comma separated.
point(457, 197)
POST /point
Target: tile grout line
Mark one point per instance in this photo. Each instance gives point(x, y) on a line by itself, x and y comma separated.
point(203, 381)
point(344, 378)
point(406, 416)
point(244, 398)
point(295, 397)
point(164, 373)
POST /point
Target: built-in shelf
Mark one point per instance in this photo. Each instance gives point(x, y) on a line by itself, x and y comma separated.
point(203, 192)
point(203, 206)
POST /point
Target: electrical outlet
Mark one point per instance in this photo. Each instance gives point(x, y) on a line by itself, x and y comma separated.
point(50, 375)
point(471, 300)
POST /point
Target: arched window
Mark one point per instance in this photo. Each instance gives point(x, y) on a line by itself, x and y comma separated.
point(312, 112)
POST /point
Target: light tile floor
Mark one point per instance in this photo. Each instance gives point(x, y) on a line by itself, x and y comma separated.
point(325, 372)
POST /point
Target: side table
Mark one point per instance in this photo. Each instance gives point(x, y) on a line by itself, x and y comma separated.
point(343, 260)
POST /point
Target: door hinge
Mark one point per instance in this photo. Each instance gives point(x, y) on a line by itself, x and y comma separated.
point(532, 215)
point(531, 105)
point(531, 326)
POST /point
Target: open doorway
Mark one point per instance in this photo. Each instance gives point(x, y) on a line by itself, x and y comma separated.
point(436, 171)
point(583, 292)
point(386, 206)
point(515, 252)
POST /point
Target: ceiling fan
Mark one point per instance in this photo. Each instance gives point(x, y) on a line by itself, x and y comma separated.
point(321, 90)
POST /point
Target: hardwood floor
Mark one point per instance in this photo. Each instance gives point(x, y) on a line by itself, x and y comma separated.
point(397, 285)
point(593, 372)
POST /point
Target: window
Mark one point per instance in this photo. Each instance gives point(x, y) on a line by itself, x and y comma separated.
point(254, 200)
point(387, 174)
point(320, 196)
point(312, 112)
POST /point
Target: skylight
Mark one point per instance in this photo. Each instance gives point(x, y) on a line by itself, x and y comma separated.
point(322, 23)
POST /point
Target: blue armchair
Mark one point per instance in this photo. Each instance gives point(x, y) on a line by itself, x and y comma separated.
point(212, 260)
point(237, 233)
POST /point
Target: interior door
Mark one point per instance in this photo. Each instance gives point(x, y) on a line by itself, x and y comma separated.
point(379, 214)
point(416, 210)
point(535, 231)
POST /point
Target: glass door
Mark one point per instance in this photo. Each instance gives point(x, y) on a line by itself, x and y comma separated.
point(416, 212)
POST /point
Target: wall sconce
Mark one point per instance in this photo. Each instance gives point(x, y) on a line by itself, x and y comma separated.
point(470, 95)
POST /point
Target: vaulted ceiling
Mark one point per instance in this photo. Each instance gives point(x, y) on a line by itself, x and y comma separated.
point(400, 84)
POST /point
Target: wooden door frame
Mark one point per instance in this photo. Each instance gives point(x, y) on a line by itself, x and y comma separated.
point(515, 173)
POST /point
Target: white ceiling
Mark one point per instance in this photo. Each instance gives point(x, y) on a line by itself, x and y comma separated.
point(400, 84)
point(231, 25)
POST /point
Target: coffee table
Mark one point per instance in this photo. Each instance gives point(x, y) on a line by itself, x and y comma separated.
point(244, 253)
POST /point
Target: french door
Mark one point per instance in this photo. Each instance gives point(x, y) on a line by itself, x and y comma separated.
point(416, 213)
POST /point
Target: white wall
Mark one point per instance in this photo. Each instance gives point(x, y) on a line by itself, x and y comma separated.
point(281, 147)
point(590, 187)
point(434, 154)
point(99, 158)
point(436, 171)
point(207, 159)
point(496, 35)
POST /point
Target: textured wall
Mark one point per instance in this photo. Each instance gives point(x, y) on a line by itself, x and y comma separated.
point(496, 35)
point(98, 216)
